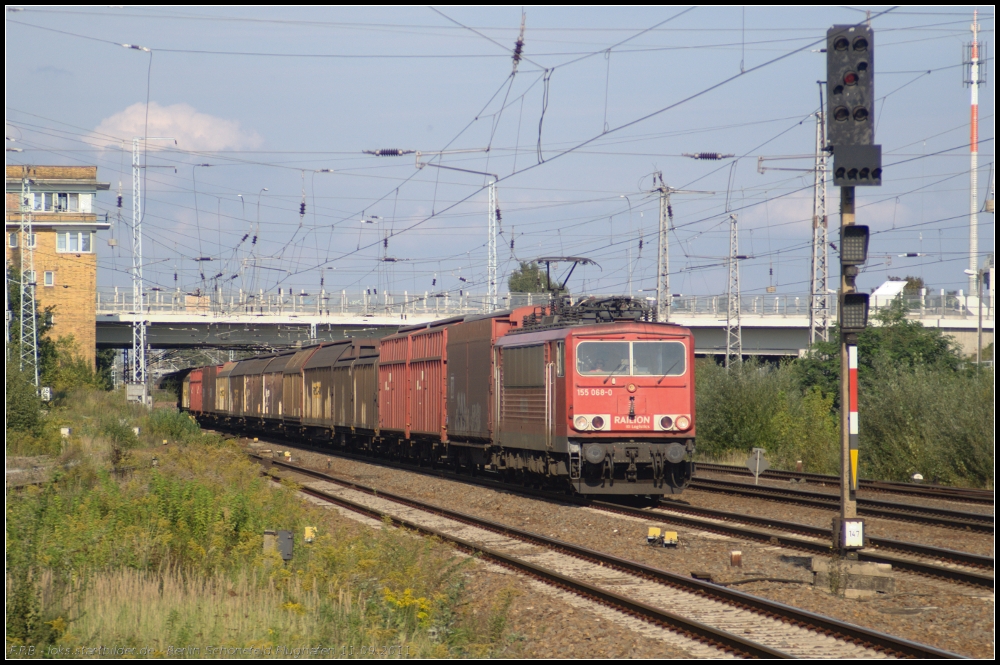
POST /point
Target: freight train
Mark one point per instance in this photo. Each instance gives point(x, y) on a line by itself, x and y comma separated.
point(592, 397)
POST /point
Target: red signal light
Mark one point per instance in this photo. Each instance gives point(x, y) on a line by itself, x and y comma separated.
point(850, 78)
point(597, 422)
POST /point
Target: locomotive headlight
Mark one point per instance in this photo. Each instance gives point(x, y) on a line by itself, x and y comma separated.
point(683, 422)
point(597, 422)
point(666, 422)
point(581, 423)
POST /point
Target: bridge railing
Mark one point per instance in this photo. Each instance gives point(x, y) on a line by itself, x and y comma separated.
point(333, 304)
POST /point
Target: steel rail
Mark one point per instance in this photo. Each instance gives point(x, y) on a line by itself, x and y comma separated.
point(856, 634)
point(870, 507)
point(944, 492)
point(920, 568)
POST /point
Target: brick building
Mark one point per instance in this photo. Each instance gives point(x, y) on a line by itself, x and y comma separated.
point(64, 226)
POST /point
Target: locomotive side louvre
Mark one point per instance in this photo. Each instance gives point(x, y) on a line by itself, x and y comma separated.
point(355, 388)
point(471, 388)
point(317, 375)
point(528, 392)
point(273, 381)
point(292, 390)
point(223, 392)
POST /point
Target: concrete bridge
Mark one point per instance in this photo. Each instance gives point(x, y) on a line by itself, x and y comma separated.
point(773, 325)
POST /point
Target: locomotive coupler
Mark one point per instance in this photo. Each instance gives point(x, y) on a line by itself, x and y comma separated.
point(632, 471)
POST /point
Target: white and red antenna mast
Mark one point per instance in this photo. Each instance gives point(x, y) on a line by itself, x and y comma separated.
point(973, 80)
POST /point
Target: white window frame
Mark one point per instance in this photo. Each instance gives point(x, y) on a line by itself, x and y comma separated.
point(12, 240)
point(32, 240)
point(75, 202)
point(50, 278)
point(64, 242)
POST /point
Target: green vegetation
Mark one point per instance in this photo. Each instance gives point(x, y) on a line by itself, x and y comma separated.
point(117, 549)
point(530, 278)
point(923, 408)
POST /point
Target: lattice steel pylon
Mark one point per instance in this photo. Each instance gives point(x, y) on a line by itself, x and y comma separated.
point(138, 374)
point(491, 270)
point(663, 296)
point(28, 339)
point(819, 300)
point(734, 330)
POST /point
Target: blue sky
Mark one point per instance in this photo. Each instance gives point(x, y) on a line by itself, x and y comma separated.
point(270, 97)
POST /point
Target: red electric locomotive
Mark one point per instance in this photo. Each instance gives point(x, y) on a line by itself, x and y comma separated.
point(591, 396)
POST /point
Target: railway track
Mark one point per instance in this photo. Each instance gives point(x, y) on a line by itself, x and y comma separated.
point(904, 512)
point(962, 494)
point(960, 567)
point(704, 612)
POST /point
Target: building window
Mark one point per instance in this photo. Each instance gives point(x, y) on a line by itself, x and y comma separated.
point(32, 240)
point(50, 278)
point(12, 240)
point(29, 277)
point(74, 241)
point(61, 202)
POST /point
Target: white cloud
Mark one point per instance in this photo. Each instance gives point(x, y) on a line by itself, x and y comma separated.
point(192, 130)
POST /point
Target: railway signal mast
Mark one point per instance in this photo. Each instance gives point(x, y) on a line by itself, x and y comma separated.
point(975, 77)
point(857, 161)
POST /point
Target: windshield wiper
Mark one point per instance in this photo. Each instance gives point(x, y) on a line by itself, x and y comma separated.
point(667, 373)
point(621, 365)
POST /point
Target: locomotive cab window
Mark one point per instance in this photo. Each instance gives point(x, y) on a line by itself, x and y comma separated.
point(658, 358)
point(603, 358)
point(631, 358)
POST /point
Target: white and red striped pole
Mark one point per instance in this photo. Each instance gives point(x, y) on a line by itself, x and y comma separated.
point(974, 155)
point(852, 378)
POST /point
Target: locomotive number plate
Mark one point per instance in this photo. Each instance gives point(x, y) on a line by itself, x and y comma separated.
point(596, 392)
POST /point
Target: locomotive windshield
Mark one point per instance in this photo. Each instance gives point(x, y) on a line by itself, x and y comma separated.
point(630, 358)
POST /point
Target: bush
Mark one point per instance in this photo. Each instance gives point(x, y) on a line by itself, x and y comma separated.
point(171, 424)
point(936, 423)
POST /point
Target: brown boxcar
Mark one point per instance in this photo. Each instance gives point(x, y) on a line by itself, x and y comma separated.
point(223, 389)
point(428, 355)
point(292, 386)
point(471, 386)
point(252, 386)
point(355, 388)
point(393, 386)
point(273, 386)
point(208, 380)
point(317, 376)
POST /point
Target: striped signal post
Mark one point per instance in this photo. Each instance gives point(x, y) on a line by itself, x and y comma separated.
point(857, 162)
point(852, 418)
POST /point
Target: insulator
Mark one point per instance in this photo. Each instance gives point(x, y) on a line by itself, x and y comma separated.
point(234, 276)
point(321, 279)
point(245, 236)
point(119, 201)
point(512, 243)
point(670, 210)
point(175, 277)
point(254, 241)
point(302, 209)
point(460, 292)
point(217, 276)
point(385, 242)
point(368, 292)
point(376, 291)
point(708, 155)
point(770, 271)
point(640, 243)
point(388, 152)
point(434, 282)
point(498, 214)
point(202, 276)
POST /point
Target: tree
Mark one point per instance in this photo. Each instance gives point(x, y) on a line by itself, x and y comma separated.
point(895, 340)
point(530, 278)
point(913, 284)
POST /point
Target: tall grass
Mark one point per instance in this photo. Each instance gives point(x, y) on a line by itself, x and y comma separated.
point(125, 551)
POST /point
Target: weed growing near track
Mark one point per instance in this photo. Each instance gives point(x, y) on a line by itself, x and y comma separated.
point(117, 550)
